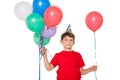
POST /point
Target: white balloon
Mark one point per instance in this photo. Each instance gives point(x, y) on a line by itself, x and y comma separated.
point(22, 10)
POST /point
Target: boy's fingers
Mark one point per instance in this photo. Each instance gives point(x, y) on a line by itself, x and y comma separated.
point(44, 51)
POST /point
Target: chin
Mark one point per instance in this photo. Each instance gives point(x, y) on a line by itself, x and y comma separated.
point(69, 48)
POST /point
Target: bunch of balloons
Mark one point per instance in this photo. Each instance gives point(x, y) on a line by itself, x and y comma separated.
point(40, 17)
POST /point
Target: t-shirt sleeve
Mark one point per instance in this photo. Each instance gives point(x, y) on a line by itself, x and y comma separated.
point(54, 60)
point(81, 61)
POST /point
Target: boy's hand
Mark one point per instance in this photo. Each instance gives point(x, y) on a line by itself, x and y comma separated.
point(44, 51)
point(93, 68)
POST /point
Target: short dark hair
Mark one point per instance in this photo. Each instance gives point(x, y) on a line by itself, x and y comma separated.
point(67, 34)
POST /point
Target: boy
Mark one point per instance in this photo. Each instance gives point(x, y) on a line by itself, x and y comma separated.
point(70, 63)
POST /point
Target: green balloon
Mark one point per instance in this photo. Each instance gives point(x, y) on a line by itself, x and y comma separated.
point(46, 41)
point(37, 37)
point(35, 22)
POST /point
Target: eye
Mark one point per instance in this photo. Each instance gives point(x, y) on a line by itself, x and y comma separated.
point(66, 39)
point(71, 39)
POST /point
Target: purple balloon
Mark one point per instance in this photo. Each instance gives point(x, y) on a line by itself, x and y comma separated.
point(48, 33)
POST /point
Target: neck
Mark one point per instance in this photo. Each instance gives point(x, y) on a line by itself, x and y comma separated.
point(67, 49)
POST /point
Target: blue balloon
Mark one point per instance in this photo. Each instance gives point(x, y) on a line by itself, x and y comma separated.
point(39, 6)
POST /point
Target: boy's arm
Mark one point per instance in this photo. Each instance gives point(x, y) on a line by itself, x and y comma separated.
point(88, 70)
point(48, 66)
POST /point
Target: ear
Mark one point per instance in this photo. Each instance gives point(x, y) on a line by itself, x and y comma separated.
point(61, 41)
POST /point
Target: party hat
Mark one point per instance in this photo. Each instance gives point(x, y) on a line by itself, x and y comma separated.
point(69, 29)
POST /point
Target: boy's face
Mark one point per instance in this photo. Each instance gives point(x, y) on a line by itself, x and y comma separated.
point(67, 42)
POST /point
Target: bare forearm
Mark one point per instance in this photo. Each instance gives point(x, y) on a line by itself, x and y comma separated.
point(48, 66)
point(90, 69)
point(85, 71)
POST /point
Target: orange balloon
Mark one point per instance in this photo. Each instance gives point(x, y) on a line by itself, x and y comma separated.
point(94, 20)
point(52, 16)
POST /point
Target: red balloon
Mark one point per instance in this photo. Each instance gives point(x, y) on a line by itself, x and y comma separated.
point(52, 16)
point(94, 20)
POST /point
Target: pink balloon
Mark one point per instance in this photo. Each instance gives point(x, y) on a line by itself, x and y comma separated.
point(94, 20)
point(52, 16)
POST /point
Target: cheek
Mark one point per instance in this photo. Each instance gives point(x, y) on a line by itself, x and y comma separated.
point(74, 42)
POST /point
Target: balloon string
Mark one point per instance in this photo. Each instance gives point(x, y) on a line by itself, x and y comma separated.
point(95, 53)
point(49, 54)
point(40, 54)
point(95, 47)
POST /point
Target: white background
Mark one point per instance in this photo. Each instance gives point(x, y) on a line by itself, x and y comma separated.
point(19, 53)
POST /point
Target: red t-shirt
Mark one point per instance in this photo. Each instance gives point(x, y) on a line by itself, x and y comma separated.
point(69, 64)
